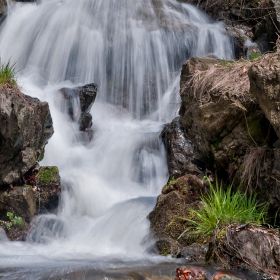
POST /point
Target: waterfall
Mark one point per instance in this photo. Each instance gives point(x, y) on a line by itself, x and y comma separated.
point(133, 50)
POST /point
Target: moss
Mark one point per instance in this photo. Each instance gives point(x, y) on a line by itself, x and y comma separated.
point(257, 129)
point(165, 252)
point(221, 234)
point(177, 226)
point(47, 175)
point(171, 181)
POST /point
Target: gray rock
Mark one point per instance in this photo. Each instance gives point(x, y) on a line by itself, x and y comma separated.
point(26, 126)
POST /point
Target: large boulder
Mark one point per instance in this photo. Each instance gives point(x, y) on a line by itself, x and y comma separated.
point(40, 194)
point(231, 131)
point(254, 246)
point(26, 126)
point(20, 201)
point(168, 219)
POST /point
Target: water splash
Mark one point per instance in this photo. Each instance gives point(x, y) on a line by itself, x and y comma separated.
point(133, 49)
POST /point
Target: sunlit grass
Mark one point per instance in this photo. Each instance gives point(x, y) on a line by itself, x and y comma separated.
point(223, 207)
point(7, 73)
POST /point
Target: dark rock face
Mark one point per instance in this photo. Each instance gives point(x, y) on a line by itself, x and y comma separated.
point(265, 86)
point(173, 205)
point(19, 200)
point(85, 97)
point(40, 194)
point(180, 151)
point(3, 10)
point(26, 126)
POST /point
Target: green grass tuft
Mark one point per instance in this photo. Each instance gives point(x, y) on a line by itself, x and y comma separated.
point(222, 208)
point(7, 73)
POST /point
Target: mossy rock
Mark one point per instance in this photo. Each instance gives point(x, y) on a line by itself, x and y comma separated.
point(48, 175)
point(47, 196)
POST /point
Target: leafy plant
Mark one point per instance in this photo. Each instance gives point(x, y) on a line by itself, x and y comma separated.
point(7, 73)
point(225, 207)
point(13, 220)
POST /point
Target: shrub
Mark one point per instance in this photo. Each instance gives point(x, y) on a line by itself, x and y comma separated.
point(7, 73)
point(225, 207)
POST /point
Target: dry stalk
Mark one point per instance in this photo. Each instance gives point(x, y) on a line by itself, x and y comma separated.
point(229, 81)
point(251, 167)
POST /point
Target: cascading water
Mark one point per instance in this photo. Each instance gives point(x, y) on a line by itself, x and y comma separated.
point(133, 50)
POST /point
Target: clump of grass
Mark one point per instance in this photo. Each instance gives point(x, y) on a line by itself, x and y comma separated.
point(228, 80)
point(222, 208)
point(7, 73)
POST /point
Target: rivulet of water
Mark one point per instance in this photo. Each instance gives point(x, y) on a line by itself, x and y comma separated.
point(133, 50)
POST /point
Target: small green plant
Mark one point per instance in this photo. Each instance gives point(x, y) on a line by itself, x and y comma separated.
point(254, 55)
point(222, 208)
point(13, 220)
point(7, 73)
point(171, 181)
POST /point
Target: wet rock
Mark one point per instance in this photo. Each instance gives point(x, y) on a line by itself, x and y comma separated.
point(78, 102)
point(3, 10)
point(189, 273)
point(39, 195)
point(48, 189)
point(26, 126)
point(45, 228)
point(168, 219)
point(207, 273)
point(168, 246)
point(194, 252)
point(259, 19)
point(21, 201)
point(45, 182)
point(180, 151)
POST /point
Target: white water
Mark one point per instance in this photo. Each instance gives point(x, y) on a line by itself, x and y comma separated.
point(133, 49)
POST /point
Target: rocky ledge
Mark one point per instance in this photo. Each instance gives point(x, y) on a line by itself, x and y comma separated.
point(229, 126)
point(26, 188)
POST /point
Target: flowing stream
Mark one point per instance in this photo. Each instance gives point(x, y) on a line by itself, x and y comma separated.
point(133, 50)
